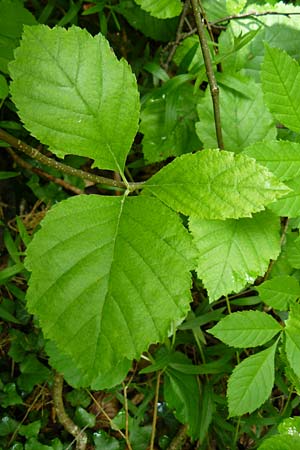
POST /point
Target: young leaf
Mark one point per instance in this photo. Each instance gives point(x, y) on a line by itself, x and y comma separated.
point(292, 343)
point(279, 292)
point(162, 9)
point(215, 185)
point(75, 96)
point(251, 382)
point(239, 117)
point(280, 80)
point(282, 158)
point(246, 329)
point(281, 442)
point(109, 276)
point(181, 392)
point(232, 253)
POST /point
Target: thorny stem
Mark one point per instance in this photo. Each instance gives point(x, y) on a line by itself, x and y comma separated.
point(64, 419)
point(35, 154)
point(214, 89)
point(154, 420)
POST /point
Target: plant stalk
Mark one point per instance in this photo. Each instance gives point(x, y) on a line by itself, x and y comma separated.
point(214, 89)
point(64, 419)
point(35, 154)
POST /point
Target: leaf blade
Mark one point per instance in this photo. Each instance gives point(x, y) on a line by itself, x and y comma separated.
point(81, 92)
point(215, 185)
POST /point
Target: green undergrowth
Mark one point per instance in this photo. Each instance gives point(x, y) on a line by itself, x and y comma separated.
point(149, 233)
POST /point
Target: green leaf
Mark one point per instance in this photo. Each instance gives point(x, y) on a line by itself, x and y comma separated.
point(280, 80)
point(251, 382)
point(281, 442)
point(159, 29)
point(84, 418)
point(103, 441)
point(6, 175)
point(77, 377)
point(292, 343)
point(87, 100)
point(3, 86)
point(293, 253)
point(235, 6)
point(162, 9)
point(280, 31)
point(7, 426)
point(9, 396)
point(101, 283)
point(232, 253)
point(246, 329)
point(168, 123)
point(289, 205)
point(182, 394)
point(215, 185)
point(32, 372)
point(239, 114)
point(279, 292)
point(13, 16)
point(282, 158)
point(290, 426)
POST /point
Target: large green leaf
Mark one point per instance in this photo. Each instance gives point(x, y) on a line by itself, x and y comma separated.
point(279, 292)
point(251, 382)
point(239, 114)
point(168, 123)
point(215, 185)
point(292, 343)
point(159, 29)
point(246, 329)
point(232, 253)
point(281, 80)
point(13, 16)
point(162, 9)
point(181, 392)
point(281, 157)
point(109, 276)
point(281, 442)
point(75, 96)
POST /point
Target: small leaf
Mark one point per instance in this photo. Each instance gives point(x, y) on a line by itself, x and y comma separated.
point(280, 80)
point(251, 382)
point(246, 329)
point(289, 205)
point(101, 283)
point(215, 185)
point(292, 344)
point(87, 101)
point(291, 425)
point(281, 442)
point(181, 392)
point(238, 117)
point(293, 253)
point(279, 292)
point(232, 253)
point(3, 87)
point(162, 9)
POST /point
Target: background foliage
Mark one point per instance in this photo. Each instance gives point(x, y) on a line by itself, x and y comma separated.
point(163, 281)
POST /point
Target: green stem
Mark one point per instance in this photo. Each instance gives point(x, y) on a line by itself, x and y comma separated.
point(154, 420)
point(214, 89)
point(35, 154)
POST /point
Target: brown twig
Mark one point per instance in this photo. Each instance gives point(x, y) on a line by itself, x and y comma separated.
point(154, 420)
point(179, 35)
point(26, 165)
point(179, 440)
point(64, 419)
point(35, 154)
point(214, 89)
point(252, 14)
